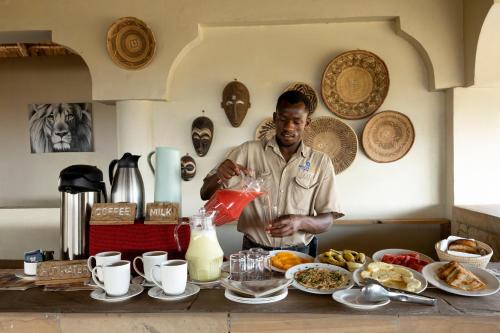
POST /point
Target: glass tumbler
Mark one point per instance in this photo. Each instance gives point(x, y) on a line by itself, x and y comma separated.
point(255, 266)
point(237, 267)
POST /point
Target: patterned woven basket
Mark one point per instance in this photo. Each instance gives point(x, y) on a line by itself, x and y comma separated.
point(481, 261)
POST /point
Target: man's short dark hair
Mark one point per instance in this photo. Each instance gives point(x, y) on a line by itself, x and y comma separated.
point(293, 97)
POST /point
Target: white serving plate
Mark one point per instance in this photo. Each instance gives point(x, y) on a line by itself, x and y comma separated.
point(290, 274)
point(298, 254)
point(353, 299)
point(377, 256)
point(278, 296)
point(360, 281)
point(430, 272)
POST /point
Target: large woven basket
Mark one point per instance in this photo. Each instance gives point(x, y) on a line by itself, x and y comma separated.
point(481, 261)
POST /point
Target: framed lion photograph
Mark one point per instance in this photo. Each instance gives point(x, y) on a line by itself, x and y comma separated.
point(62, 127)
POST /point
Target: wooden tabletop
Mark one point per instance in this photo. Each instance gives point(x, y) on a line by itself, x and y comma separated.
point(213, 300)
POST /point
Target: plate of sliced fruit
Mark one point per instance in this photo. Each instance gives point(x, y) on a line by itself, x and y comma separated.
point(281, 260)
point(408, 258)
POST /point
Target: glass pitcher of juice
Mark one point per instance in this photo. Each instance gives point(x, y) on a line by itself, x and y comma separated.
point(204, 254)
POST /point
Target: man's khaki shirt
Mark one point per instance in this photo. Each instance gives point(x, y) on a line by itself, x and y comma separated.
point(303, 186)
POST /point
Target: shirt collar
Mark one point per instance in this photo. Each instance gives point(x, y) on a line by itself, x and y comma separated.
point(272, 143)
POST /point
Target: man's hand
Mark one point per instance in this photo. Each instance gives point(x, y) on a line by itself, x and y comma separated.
point(285, 225)
point(228, 169)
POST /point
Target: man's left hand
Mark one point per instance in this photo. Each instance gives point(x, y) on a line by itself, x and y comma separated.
point(285, 225)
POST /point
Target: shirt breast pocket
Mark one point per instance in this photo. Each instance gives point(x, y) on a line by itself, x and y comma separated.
point(302, 192)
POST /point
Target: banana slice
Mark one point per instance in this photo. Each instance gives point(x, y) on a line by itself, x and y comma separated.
point(366, 274)
point(352, 266)
point(382, 276)
point(405, 273)
point(412, 284)
point(376, 266)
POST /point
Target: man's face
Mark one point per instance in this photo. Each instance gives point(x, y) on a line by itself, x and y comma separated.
point(290, 120)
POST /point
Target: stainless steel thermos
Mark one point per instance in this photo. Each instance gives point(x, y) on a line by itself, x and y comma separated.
point(126, 182)
point(81, 186)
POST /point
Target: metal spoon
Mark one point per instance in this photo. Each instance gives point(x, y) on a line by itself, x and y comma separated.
point(375, 293)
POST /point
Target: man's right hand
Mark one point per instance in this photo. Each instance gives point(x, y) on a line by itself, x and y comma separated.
point(228, 169)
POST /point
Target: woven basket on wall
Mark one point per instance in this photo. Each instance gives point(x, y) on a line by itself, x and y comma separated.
point(481, 261)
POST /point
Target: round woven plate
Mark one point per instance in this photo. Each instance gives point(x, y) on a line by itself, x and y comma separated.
point(355, 84)
point(334, 138)
point(308, 91)
point(130, 43)
point(266, 130)
point(388, 136)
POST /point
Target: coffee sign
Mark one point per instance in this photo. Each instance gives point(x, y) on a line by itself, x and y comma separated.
point(113, 213)
point(62, 272)
point(162, 213)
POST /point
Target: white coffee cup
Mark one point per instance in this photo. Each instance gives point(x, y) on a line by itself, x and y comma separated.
point(149, 259)
point(173, 276)
point(102, 259)
point(116, 277)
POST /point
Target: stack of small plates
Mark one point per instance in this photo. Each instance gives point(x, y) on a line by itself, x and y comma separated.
point(235, 297)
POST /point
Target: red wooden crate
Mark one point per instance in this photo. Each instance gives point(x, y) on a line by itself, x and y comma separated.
point(134, 239)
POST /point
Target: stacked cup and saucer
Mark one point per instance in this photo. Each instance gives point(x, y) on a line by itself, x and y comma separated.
point(170, 278)
point(149, 259)
point(114, 282)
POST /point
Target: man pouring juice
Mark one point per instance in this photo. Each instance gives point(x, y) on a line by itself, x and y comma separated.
point(301, 180)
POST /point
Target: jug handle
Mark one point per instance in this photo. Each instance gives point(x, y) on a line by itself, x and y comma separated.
point(149, 161)
point(110, 171)
point(103, 190)
point(182, 221)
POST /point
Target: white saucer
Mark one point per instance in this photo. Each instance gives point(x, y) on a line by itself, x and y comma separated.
point(353, 299)
point(157, 292)
point(278, 296)
point(100, 294)
point(21, 275)
point(142, 281)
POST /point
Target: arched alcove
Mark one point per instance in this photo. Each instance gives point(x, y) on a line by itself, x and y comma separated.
point(45, 75)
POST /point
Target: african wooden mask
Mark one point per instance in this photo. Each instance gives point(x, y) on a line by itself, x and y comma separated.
point(188, 167)
point(202, 132)
point(235, 102)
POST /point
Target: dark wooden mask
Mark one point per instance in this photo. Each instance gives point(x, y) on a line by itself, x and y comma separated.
point(188, 167)
point(202, 132)
point(235, 102)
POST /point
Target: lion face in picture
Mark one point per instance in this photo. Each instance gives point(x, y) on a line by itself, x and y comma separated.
point(60, 127)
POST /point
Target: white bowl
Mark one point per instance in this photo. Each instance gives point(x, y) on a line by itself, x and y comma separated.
point(361, 282)
point(290, 274)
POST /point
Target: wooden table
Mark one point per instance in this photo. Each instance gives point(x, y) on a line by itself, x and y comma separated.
point(37, 311)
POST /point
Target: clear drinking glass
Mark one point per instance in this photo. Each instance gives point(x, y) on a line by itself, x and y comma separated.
point(255, 266)
point(267, 272)
point(237, 267)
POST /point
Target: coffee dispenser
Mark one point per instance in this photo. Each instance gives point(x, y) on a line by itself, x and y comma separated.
point(81, 186)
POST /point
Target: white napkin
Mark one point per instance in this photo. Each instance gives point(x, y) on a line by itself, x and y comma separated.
point(443, 246)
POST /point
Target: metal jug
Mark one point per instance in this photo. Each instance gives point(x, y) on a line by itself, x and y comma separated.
point(126, 182)
point(81, 186)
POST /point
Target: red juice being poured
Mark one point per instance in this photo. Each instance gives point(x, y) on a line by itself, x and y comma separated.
point(229, 203)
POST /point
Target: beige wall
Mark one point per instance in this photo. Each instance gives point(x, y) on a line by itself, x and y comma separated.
point(476, 136)
point(267, 59)
point(30, 180)
point(435, 27)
